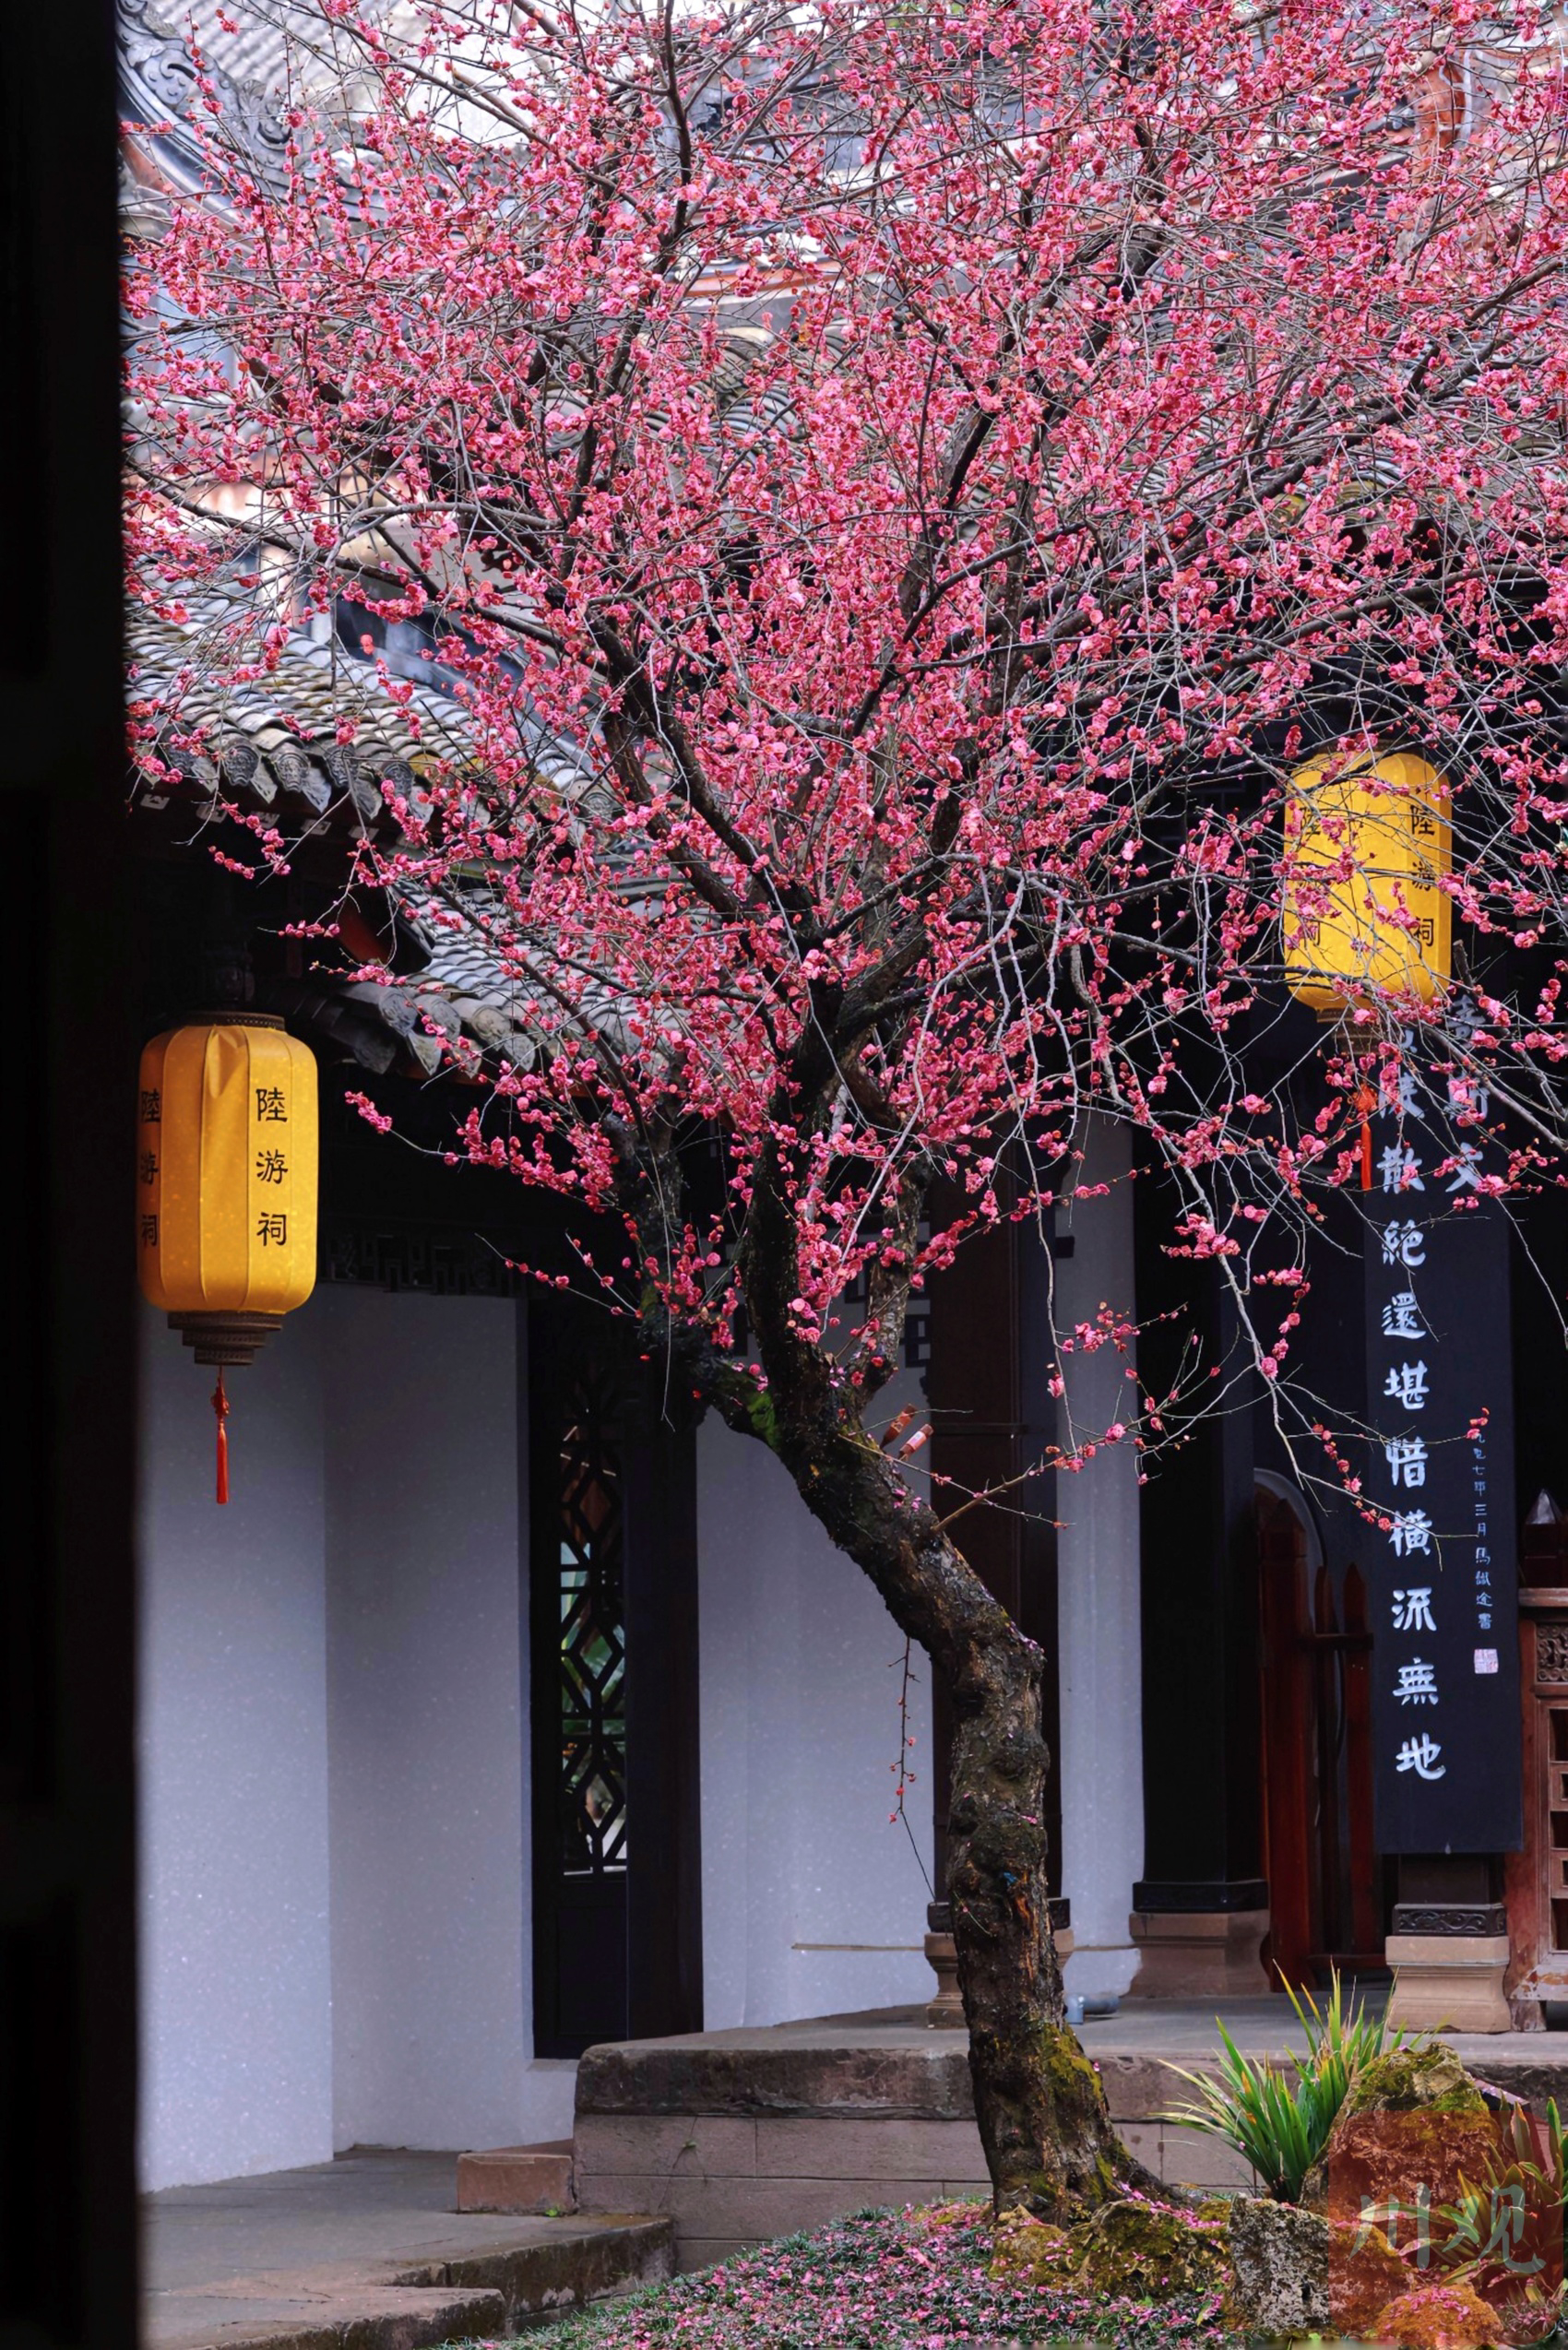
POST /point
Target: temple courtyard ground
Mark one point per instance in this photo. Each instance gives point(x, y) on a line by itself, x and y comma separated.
point(686, 2150)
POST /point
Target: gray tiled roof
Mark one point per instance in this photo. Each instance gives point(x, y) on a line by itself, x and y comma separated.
point(276, 41)
point(477, 1009)
point(274, 743)
point(272, 749)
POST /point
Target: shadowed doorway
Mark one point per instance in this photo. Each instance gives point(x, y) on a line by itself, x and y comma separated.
point(612, 1626)
point(1315, 1665)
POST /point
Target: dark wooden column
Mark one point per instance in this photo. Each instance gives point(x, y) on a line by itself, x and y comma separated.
point(993, 1415)
point(664, 1988)
point(1202, 1781)
point(1536, 1877)
point(68, 1915)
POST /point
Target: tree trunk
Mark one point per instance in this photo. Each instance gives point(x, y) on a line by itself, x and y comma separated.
point(1042, 2118)
point(1047, 2134)
point(1042, 2112)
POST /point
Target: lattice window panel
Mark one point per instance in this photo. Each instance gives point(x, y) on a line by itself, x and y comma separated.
point(591, 1681)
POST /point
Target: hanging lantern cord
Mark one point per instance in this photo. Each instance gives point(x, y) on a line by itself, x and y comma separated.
point(1366, 1103)
point(221, 1409)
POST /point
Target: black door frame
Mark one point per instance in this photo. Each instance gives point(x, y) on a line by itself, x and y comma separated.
point(656, 1986)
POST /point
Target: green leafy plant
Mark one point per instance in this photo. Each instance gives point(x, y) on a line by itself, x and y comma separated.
point(1277, 2119)
point(1485, 2239)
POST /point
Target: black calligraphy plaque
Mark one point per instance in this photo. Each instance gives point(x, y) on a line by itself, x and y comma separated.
point(1443, 1590)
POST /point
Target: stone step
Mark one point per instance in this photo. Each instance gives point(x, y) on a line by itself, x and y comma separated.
point(517, 2178)
point(750, 2132)
point(504, 2289)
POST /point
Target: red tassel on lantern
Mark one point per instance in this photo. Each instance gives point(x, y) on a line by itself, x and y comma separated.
point(221, 1407)
point(1366, 1102)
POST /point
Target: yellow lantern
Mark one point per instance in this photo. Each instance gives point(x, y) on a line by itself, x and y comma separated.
point(226, 1186)
point(1384, 927)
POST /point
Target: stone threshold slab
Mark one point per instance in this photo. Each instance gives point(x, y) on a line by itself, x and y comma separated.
point(886, 2065)
point(699, 2076)
point(407, 2305)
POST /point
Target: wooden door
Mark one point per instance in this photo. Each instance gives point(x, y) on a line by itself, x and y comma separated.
point(1315, 1671)
point(1537, 1878)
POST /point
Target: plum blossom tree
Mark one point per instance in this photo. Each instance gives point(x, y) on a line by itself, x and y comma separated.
point(897, 494)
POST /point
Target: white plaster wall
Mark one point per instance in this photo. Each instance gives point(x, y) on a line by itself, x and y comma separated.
point(1099, 1623)
point(431, 1973)
point(234, 1957)
point(800, 1726)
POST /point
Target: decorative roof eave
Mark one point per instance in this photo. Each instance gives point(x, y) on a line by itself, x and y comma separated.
point(271, 752)
point(159, 90)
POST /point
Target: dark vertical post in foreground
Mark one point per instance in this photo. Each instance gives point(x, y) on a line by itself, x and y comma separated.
point(67, 2007)
point(1201, 1909)
point(991, 1356)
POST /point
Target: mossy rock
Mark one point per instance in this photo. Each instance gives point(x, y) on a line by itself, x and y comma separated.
point(1278, 2290)
point(1414, 2115)
point(1031, 2251)
point(1142, 2251)
point(1429, 2079)
point(1129, 2250)
point(1439, 2317)
point(1365, 2273)
point(930, 2219)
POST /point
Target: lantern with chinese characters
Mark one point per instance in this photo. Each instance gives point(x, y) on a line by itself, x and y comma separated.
point(226, 1185)
point(1365, 914)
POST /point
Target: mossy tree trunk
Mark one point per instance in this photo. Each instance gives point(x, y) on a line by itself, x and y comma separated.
point(1042, 2116)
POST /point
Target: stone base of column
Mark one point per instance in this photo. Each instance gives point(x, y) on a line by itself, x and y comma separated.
point(945, 2012)
point(1199, 1953)
point(1449, 1982)
point(1062, 1932)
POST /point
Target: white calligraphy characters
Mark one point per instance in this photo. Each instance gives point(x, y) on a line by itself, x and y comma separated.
point(1401, 1316)
point(1401, 1171)
point(1407, 1458)
point(1419, 1754)
point(1467, 1174)
point(1424, 1171)
point(1464, 1020)
point(1409, 1531)
point(1483, 1546)
point(1406, 1386)
point(1401, 1168)
point(1416, 1684)
point(1508, 2242)
point(1470, 1099)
